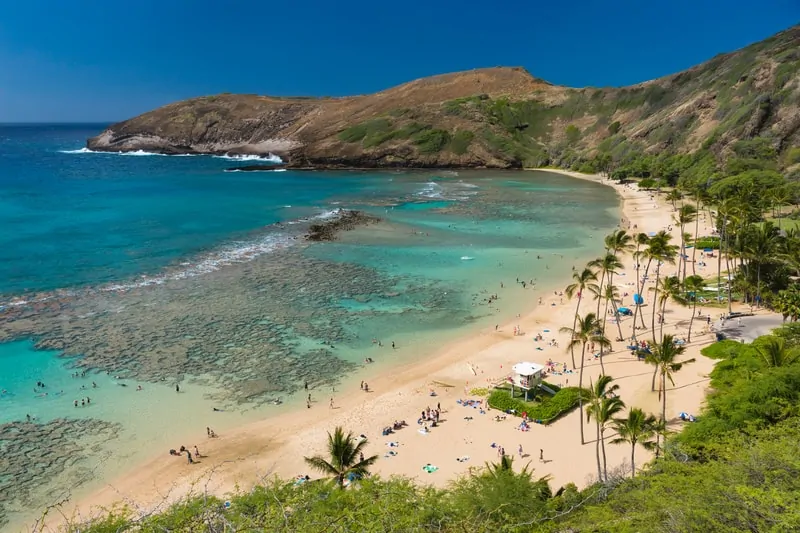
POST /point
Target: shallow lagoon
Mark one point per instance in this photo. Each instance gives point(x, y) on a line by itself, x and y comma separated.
point(248, 329)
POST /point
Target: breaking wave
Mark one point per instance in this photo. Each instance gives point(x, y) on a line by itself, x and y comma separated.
point(272, 158)
point(250, 157)
point(233, 252)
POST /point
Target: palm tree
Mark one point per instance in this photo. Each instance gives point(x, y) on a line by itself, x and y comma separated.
point(663, 357)
point(641, 240)
point(669, 289)
point(603, 405)
point(612, 295)
point(586, 330)
point(662, 252)
point(345, 455)
point(761, 246)
point(700, 195)
point(504, 466)
point(581, 281)
point(775, 352)
point(673, 196)
point(636, 428)
point(693, 285)
point(608, 265)
point(619, 242)
point(686, 214)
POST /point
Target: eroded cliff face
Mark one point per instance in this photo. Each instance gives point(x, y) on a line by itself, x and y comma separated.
point(491, 118)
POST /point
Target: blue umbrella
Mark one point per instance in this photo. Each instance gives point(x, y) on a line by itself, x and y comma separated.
point(637, 299)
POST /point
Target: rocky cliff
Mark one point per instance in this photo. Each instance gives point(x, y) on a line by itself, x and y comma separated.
point(494, 117)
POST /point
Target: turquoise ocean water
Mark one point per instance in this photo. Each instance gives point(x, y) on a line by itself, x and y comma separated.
point(156, 271)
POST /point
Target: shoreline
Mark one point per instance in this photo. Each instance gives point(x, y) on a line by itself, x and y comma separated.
point(275, 445)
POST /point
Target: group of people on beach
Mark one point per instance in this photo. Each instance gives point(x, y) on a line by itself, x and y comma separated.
point(185, 450)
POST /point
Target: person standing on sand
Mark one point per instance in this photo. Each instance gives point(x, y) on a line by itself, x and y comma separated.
point(541, 455)
point(331, 403)
point(520, 451)
point(177, 388)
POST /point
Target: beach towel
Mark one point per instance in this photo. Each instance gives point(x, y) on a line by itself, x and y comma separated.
point(429, 468)
point(422, 431)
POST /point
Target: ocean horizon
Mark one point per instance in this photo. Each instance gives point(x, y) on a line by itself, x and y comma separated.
point(120, 271)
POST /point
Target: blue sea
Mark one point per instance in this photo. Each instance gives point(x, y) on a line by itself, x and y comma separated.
point(126, 270)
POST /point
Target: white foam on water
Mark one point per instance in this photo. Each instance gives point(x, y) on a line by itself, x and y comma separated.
point(272, 158)
point(140, 153)
point(466, 258)
point(251, 157)
point(237, 252)
point(431, 190)
point(83, 150)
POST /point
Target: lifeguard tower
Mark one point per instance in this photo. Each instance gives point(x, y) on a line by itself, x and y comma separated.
point(526, 376)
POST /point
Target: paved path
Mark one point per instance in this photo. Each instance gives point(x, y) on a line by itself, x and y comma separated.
point(751, 327)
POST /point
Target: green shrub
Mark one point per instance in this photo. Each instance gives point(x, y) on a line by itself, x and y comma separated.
point(548, 410)
point(430, 141)
point(573, 134)
point(707, 242)
point(371, 128)
point(722, 350)
point(461, 141)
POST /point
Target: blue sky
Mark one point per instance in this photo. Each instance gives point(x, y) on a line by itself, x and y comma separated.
point(105, 61)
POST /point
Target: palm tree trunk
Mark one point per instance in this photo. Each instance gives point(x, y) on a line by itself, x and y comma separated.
point(580, 392)
point(719, 260)
point(681, 254)
point(575, 323)
point(696, 231)
point(655, 299)
point(691, 319)
point(605, 317)
point(653, 383)
point(600, 295)
point(603, 449)
point(597, 452)
point(664, 397)
point(633, 461)
point(640, 290)
point(617, 316)
point(728, 268)
point(758, 285)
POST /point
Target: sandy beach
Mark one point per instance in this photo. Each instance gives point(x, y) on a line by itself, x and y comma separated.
point(277, 445)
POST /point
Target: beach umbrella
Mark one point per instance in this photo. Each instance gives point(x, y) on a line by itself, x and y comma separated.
point(637, 299)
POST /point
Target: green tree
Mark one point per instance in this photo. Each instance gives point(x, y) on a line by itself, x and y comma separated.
point(581, 281)
point(604, 404)
point(686, 214)
point(693, 285)
point(344, 457)
point(663, 357)
point(673, 197)
point(587, 330)
point(669, 289)
point(660, 251)
point(636, 428)
point(775, 351)
point(573, 134)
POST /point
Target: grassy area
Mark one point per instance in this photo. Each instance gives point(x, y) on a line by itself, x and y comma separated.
point(544, 408)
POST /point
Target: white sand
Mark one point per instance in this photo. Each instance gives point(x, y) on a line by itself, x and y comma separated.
point(277, 445)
